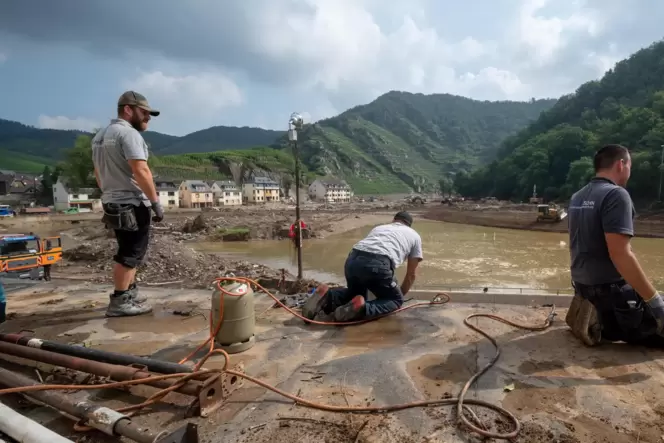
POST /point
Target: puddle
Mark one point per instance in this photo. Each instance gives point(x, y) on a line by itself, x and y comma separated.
point(439, 376)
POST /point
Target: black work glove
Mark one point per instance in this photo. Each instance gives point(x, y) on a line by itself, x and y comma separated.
point(158, 211)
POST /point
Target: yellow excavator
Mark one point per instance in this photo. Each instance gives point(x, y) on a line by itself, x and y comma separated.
point(550, 213)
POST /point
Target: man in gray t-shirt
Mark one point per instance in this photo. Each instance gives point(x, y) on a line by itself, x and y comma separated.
point(604, 269)
point(370, 267)
point(120, 157)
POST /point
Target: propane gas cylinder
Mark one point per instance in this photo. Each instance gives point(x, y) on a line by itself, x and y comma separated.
point(238, 321)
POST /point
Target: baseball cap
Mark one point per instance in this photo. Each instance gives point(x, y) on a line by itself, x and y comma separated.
point(133, 98)
point(404, 217)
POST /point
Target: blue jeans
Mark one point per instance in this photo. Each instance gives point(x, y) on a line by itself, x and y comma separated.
point(367, 272)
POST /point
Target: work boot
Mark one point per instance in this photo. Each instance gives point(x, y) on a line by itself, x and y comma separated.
point(315, 303)
point(324, 318)
point(122, 306)
point(582, 319)
point(136, 296)
point(351, 311)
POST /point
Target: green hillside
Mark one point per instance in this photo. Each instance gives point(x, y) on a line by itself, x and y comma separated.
point(22, 162)
point(396, 143)
point(234, 165)
point(404, 141)
point(50, 145)
point(555, 152)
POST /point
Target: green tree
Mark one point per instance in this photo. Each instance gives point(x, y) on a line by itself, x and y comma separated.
point(555, 152)
point(78, 166)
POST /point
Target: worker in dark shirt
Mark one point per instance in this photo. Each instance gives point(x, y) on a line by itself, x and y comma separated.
point(605, 271)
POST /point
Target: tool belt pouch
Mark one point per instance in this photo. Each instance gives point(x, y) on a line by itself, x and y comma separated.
point(631, 312)
point(120, 217)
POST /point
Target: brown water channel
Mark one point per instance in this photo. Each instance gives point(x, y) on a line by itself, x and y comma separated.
point(456, 256)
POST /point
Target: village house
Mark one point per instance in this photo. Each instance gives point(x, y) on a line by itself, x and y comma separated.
point(195, 194)
point(6, 181)
point(226, 193)
point(330, 190)
point(260, 190)
point(168, 193)
point(83, 199)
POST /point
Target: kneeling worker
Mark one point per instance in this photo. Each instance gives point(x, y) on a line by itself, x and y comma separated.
point(370, 267)
point(605, 271)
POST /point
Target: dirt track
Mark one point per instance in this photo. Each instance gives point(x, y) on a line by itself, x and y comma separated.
point(524, 217)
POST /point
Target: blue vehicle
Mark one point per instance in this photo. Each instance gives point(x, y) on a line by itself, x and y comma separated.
point(6, 211)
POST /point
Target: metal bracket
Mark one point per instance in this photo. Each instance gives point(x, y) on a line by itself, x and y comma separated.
point(216, 389)
point(232, 382)
point(186, 434)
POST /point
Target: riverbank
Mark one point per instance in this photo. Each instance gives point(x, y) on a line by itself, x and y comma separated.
point(524, 217)
point(173, 261)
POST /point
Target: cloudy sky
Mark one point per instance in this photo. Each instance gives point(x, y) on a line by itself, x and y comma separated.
point(64, 63)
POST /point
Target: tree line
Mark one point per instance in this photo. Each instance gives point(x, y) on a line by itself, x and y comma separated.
point(555, 152)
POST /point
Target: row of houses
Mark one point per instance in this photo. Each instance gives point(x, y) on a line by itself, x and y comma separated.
point(201, 194)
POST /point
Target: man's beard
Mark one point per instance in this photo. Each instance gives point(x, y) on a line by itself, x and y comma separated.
point(137, 123)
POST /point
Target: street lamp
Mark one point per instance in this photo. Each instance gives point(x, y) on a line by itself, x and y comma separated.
point(295, 123)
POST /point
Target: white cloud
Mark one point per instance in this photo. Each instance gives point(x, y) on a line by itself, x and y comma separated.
point(326, 56)
point(3, 57)
point(66, 123)
point(545, 37)
point(199, 94)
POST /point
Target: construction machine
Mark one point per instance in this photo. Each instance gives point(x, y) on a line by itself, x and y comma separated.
point(23, 253)
point(550, 213)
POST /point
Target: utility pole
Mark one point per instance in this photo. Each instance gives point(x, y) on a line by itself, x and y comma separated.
point(661, 171)
point(294, 124)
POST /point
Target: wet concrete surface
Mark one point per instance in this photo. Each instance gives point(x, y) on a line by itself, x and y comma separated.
point(563, 391)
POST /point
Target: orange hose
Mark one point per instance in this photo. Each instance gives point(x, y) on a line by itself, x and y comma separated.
point(441, 298)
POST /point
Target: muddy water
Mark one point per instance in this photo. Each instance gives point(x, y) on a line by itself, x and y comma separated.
point(455, 256)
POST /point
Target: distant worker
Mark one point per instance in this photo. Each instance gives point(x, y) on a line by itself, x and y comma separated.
point(120, 157)
point(370, 267)
point(605, 271)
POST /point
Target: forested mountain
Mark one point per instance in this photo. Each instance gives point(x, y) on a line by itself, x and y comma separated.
point(555, 152)
point(405, 141)
point(27, 148)
point(400, 141)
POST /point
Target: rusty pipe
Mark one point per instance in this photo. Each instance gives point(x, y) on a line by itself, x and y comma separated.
point(115, 358)
point(114, 372)
point(106, 420)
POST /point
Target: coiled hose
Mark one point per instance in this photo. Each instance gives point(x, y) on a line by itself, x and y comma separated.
point(462, 409)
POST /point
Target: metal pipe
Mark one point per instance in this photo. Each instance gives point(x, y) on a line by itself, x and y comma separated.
point(298, 225)
point(115, 358)
point(106, 420)
point(22, 429)
point(114, 372)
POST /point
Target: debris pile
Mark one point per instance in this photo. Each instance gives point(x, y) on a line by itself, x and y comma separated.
point(168, 261)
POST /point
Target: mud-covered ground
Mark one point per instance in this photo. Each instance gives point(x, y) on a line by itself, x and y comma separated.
point(560, 390)
point(523, 216)
point(172, 261)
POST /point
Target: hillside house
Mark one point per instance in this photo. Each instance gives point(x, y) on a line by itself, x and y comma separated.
point(6, 181)
point(168, 193)
point(226, 193)
point(260, 190)
point(195, 194)
point(330, 190)
point(66, 197)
